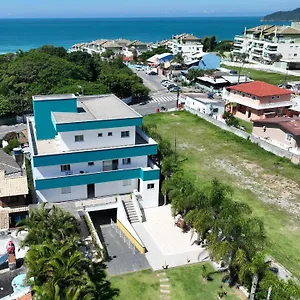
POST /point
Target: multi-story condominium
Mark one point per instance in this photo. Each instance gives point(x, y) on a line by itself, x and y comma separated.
point(187, 44)
point(264, 43)
point(89, 147)
point(257, 100)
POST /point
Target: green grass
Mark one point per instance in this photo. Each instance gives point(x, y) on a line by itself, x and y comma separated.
point(209, 152)
point(247, 125)
point(273, 78)
point(186, 283)
point(135, 286)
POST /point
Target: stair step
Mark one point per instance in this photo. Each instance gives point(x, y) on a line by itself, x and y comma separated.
point(163, 279)
point(165, 291)
point(166, 297)
point(165, 286)
point(161, 274)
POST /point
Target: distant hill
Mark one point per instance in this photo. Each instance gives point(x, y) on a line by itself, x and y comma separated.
point(292, 15)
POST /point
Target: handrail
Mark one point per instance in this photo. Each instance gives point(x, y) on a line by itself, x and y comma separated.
point(137, 206)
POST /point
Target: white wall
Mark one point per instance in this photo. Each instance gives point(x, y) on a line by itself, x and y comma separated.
point(150, 196)
point(55, 171)
point(288, 51)
point(91, 139)
point(115, 188)
point(205, 108)
point(55, 195)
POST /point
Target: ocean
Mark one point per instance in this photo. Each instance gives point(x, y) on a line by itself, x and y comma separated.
point(26, 34)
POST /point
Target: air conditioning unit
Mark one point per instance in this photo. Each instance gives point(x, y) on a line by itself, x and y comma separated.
point(69, 172)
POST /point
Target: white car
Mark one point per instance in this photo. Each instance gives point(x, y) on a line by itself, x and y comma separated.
point(138, 68)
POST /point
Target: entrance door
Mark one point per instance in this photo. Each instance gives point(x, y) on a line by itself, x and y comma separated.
point(91, 190)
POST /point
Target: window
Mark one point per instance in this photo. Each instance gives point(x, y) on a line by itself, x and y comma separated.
point(91, 163)
point(79, 138)
point(295, 54)
point(127, 182)
point(278, 97)
point(243, 94)
point(107, 165)
point(65, 168)
point(126, 161)
point(66, 190)
point(110, 133)
point(215, 110)
point(273, 97)
point(100, 134)
point(254, 97)
point(288, 137)
point(124, 134)
point(150, 186)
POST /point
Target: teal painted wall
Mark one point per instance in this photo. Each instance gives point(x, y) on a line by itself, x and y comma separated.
point(84, 179)
point(93, 155)
point(42, 115)
point(98, 124)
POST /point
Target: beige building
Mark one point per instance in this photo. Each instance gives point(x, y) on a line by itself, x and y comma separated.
point(257, 100)
point(282, 131)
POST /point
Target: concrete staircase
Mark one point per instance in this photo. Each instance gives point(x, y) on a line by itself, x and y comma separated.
point(130, 211)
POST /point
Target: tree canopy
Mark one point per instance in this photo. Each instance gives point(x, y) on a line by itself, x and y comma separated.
point(49, 70)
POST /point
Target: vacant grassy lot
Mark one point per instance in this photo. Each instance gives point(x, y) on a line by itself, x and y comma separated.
point(273, 78)
point(135, 286)
point(269, 184)
point(186, 283)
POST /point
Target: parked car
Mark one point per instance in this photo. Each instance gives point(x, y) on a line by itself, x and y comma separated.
point(172, 85)
point(164, 80)
point(152, 73)
point(138, 68)
point(175, 89)
point(166, 83)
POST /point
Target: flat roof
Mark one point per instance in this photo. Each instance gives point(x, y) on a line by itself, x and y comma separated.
point(291, 125)
point(202, 98)
point(99, 107)
point(53, 97)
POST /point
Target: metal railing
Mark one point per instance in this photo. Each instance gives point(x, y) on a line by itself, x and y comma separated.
point(123, 237)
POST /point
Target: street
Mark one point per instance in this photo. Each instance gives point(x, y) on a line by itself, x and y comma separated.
point(4, 129)
point(161, 97)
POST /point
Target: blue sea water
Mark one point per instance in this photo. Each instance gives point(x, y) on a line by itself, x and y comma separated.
point(26, 34)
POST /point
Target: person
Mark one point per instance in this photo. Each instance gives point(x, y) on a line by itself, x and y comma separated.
point(10, 248)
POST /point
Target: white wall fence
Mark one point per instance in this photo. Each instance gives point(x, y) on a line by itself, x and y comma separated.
point(254, 139)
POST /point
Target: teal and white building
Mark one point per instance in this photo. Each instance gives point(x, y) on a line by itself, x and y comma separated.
point(89, 147)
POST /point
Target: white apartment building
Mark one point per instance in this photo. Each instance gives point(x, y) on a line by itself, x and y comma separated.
point(264, 42)
point(187, 44)
point(89, 147)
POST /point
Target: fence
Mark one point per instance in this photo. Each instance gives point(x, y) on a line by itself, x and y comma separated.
point(124, 237)
point(254, 139)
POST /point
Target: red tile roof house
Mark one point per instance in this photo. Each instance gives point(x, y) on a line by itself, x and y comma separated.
point(257, 100)
point(281, 131)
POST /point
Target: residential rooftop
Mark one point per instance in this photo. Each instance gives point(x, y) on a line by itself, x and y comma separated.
point(53, 97)
point(7, 164)
point(99, 107)
point(260, 89)
point(202, 98)
point(291, 125)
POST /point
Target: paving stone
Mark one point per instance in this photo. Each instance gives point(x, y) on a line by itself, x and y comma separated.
point(163, 279)
point(165, 291)
point(164, 286)
point(166, 297)
point(161, 274)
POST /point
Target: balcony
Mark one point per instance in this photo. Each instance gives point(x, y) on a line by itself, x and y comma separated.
point(253, 103)
point(272, 50)
point(152, 172)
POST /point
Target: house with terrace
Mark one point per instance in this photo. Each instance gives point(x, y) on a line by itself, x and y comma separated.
point(257, 100)
point(89, 147)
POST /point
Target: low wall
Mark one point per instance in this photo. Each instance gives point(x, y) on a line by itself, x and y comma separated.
point(254, 139)
point(127, 100)
point(138, 246)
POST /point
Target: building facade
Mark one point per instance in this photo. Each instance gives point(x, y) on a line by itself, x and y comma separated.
point(89, 147)
point(266, 42)
point(257, 100)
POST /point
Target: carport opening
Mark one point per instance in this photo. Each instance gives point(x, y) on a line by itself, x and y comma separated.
point(103, 217)
point(15, 218)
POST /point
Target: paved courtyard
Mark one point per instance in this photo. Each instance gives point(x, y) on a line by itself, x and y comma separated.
point(165, 242)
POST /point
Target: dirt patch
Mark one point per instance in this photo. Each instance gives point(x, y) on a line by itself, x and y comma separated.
point(273, 189)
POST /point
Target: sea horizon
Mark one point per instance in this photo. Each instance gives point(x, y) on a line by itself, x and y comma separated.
point(28, 33)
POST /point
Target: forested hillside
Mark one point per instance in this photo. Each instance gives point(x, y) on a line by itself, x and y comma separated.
point(51, 70)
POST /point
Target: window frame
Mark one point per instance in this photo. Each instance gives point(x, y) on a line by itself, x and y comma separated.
point(125, 134)
point(100, 134)
point(150, 186)
point(62, 168)
point(91, 163)
point(66, 190)
point(110, 133)
point(76, 140)
point(126, 161)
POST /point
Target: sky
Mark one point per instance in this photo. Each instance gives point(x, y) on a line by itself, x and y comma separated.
point(140, 8)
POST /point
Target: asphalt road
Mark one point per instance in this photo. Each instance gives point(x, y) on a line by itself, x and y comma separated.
point(4, 129)
point(153, 82)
